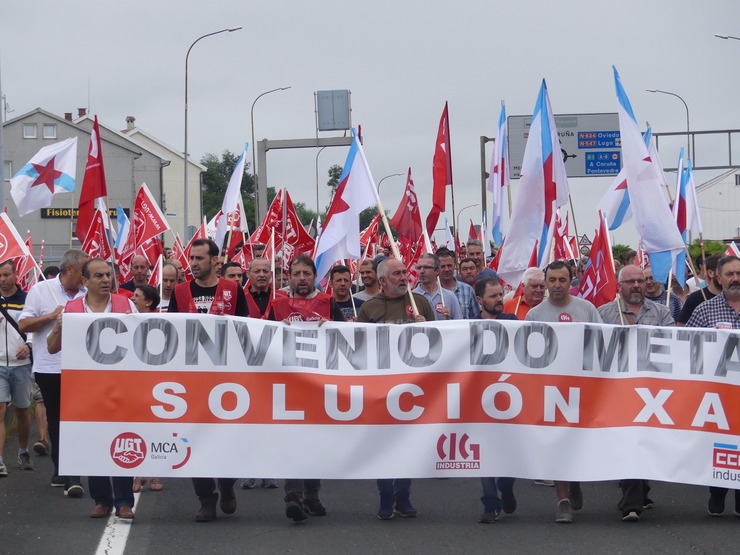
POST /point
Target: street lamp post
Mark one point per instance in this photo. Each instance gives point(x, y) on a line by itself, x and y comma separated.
point(721, 36)
point(463, 209)
point(254, 155)
point(688, 124)
point(185, 169)
point(317, 183)
point(386, 177)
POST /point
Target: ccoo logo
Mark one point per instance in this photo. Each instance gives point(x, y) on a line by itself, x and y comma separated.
point(128, 450)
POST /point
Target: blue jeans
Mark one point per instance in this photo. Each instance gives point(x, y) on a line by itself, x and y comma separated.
point(116, 495)
point(491, 486)
point(400, 487)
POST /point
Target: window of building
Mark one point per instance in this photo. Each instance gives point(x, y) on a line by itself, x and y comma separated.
point(7, 170)
point(50, 131)
point(737, 179)
point(29, 131)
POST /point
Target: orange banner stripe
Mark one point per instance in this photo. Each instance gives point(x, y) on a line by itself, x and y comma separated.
point(127, 396)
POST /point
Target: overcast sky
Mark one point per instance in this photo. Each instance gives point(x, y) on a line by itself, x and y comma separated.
point(401, 60)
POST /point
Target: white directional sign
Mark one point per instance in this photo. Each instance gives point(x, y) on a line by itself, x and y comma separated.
point(589, 143)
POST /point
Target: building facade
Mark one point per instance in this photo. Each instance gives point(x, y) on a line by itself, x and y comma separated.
point(127, 166)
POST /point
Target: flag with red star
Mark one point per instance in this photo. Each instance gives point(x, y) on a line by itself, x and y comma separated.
point(50, 171)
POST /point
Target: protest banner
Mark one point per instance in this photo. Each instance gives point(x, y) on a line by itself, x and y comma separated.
point(169, 395)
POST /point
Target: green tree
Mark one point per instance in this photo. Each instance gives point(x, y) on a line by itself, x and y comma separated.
point(335, 172)
point(619, 252)
point(216, 180)
point(710, 248)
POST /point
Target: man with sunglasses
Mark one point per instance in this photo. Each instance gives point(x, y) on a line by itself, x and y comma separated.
point(631, 308)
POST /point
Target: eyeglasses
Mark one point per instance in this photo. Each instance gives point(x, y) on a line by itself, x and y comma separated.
point(633, 281)
point(418, 267)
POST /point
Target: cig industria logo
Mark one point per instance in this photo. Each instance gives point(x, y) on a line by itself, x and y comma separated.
point(457, 453)
point(726, 462)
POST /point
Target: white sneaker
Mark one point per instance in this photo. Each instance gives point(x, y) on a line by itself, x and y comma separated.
point(3, 470)
point(564, 514)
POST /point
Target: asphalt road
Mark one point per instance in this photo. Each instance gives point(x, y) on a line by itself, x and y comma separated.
point(38, 519)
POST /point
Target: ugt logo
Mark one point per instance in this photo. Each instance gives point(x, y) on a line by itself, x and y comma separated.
point(128, 450)
point(457, 454)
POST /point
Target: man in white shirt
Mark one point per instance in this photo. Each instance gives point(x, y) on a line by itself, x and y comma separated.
point(45, 301)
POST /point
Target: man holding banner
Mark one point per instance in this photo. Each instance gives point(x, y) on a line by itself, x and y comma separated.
point(304, 303)
point(721, 312)
point(632, 308)
point(392, 306)
point(561, 306)
point(97, 277)
point(209, 294)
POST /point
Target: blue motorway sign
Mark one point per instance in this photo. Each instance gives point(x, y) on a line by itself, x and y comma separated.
point(583, 139)
point(603, 163)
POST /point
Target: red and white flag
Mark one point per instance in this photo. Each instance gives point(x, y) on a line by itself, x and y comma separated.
point(96, 243)
point(371, 234)
point(156, 278)
point(178, 253)
point(599, 282)
point(148, 221)
point(407, 219)
point(25, 274)
point(441, 172)
point(11, 244)
point(472, 232)
point(290, 230)
point(93, 184)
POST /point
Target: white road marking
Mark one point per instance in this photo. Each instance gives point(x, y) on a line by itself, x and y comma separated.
point(116, 533)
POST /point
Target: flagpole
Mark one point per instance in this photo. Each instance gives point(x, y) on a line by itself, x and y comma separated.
point(575, 225)
point(282, 234)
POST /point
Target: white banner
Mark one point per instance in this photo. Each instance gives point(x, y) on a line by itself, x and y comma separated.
point(184, 395)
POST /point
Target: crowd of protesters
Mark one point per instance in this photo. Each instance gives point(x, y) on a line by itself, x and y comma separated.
point(447, 288)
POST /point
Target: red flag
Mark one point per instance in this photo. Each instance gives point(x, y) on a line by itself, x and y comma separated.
point(599, 283)
point(200, 234)
point(369, 235)
point(493, 264)
point(472, 233)
point(441, 172)
point(152, 250)
point(96, 241)
point(407, 219)
point(93, 184)
point(148, 220)
point(297, 239)
point(11, 245)
point(156, 278)
point(178, 253)
point(25, 276)
point(412, 274)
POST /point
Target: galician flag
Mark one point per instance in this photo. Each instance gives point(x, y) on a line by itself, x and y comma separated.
point(51, 171)
point(543, 188)
point(340, 237)
point(653, 219)
point(498, 179)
